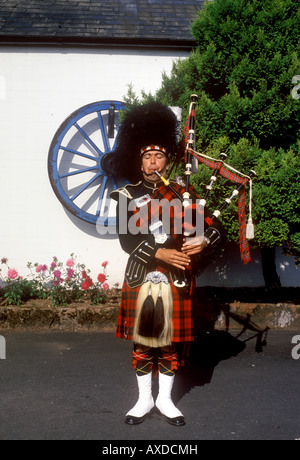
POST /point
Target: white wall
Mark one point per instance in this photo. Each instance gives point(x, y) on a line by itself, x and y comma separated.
point(39, 89)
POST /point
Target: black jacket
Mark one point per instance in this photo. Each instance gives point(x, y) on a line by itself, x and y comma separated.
point(142, 247)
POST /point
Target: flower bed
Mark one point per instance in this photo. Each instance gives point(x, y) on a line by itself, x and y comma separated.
point(59, 283)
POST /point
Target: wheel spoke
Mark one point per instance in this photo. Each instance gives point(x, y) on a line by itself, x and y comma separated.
point(89, 140)
point(106, 147)
point(79, 171)
point(84, 187)
point(114, 146)
point(114, 183)
point(102, 190)
point(76, 152)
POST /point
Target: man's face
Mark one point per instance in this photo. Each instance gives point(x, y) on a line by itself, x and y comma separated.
point(154, 160)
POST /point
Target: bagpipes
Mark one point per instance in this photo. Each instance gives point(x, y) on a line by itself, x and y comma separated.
point(189, 203)
point(230, 173)
point(185, 195)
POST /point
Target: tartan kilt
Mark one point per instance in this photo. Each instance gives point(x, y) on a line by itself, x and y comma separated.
point(183, 318)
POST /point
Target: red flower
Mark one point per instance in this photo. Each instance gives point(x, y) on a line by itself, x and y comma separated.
point(101, 278)
point(83, 274)
point(87, 283)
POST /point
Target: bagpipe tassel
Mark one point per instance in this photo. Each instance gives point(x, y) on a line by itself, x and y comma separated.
point(250, 229)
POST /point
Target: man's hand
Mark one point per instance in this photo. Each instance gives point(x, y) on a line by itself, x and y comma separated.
point(173, 257)
point(194, 245)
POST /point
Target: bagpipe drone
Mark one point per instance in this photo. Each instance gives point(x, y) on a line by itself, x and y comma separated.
point(246, 230)
point(156, 124)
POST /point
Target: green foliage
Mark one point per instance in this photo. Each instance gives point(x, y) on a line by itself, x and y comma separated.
point(277, 199)
point(18, 291)
point(272, 231)
point(242, 69)
point(295, 242)
point(247, 54)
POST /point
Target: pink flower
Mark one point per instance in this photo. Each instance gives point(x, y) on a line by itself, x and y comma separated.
point(57, 281)
point(53, 264)
point(70, 262)
point(104, 264)
point(105, 286)
point(12, 273)
point(101, 278)
point(41, 268)
point(4, 260)
point(57, 274)
point(70, 272)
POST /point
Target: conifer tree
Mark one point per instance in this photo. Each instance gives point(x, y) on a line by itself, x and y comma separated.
point(245, 70)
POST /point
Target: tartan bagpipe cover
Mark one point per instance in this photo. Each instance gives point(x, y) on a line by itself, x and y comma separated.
point(181, 219)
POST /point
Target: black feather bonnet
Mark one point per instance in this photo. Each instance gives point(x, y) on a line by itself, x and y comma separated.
point(148, 124)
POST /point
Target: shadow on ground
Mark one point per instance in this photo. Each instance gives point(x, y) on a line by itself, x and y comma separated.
point(212, 346)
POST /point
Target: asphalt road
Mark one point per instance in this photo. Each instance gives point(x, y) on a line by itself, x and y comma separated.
point(79, 386)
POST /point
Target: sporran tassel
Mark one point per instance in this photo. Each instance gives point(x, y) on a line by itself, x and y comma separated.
point(159, 317)
point(147, 317)
point(153, 325)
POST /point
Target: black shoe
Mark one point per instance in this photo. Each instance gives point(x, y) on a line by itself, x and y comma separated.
point(131, 420)
point(176, 421)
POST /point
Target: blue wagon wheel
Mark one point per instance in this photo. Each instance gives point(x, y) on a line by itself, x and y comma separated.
point(75, 162)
